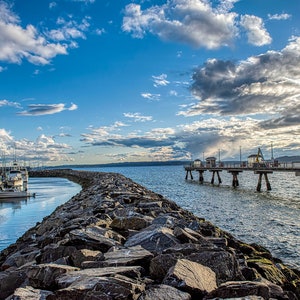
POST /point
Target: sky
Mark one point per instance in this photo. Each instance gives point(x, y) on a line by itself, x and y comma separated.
point(106, 81)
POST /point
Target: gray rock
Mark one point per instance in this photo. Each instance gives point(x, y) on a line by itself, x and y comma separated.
point(155, 240)
point(29, 293)
point(43, 276)
point(222, 262)
point(65, 280)
point(264, 289)
point(11, 280)
point(92, 238)
point(129, 256)
point(164, 292)
point(191, 277)
point(117, 287)
point(79, 256)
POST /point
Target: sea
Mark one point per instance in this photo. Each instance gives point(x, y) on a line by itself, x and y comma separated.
point(268, 218)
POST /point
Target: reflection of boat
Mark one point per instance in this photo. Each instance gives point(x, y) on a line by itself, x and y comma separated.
point(14, 182)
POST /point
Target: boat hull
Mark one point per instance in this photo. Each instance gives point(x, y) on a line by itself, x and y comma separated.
point(13, 194)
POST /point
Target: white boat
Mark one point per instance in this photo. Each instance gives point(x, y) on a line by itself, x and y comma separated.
point(14, 182)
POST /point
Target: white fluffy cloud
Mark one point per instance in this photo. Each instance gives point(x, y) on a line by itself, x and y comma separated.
point(256, 32)
point(193, 22)
point(19, 43)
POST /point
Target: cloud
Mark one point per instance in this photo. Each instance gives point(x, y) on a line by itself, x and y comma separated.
point(46, 109)
point(18, 43)
point(138, 117)
point(279, 17)
point(149, 96)
point(9, 103)
point(191, 22)
point(256, 32)
point(265, 84)
point(160, 80)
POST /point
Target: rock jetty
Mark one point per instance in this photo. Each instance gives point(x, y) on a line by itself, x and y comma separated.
point(117, 240)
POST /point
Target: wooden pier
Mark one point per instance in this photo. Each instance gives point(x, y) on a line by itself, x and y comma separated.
point(261, 171)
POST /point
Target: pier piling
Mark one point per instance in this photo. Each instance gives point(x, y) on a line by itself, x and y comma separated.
point(261, 173)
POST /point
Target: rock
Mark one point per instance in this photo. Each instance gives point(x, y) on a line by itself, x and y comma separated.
point(154, 240)
point(54, 252)
point(267, 269)
point(191, 277)
point(118, 287)
point(91, 238)
point(164, 292)
point(29, 293)
point(11, 280)
point(65, 280)
point(136, 222)
point(43, 276)
point(129, 256)
point(222, 262)
point(160, 265)
point(265, 289)
point(82, 255)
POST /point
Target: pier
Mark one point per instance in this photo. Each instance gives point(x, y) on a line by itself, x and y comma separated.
point(261, 169)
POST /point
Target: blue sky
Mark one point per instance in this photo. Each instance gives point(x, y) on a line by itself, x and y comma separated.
point(110, 81)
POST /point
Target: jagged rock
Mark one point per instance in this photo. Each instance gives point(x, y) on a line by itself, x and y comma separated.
point(164, 292)
point(222, 262)
point(20, 258)
point(184, 236)
point(160, 265)
point(91, 238)
point(43, 276)
point(129, 256)
point(117, 287)
point(267, 269)
point(11, 280)
point(29, 293)
point(135, 222)
point(65, 280)
point(191, 277)
point(153, 239)
point(264, 289)
point(79, 256)
point(54, 252)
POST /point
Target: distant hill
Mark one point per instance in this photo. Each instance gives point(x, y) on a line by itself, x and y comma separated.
point(295, 158)
point(126, 164)
point(161, 163)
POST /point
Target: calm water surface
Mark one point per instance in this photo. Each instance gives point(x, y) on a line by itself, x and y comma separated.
point(18, 215)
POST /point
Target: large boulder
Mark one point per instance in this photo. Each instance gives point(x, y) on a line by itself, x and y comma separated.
point(164, 292)
point(43, 276)
point(239, 289)
point(104, 288)
point(29, 293)
point(153, 239)
point(191, 277)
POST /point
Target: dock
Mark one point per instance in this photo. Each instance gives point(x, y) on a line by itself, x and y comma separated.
point(261, 169)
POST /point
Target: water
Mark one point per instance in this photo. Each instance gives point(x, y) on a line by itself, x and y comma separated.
point(19, 215)
point(271, 219)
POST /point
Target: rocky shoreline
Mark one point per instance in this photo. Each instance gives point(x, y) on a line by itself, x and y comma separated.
point(117, 240)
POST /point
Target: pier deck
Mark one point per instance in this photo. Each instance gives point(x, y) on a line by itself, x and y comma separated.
point(261, 170)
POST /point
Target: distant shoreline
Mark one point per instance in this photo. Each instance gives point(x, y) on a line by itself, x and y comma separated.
point(282, 159)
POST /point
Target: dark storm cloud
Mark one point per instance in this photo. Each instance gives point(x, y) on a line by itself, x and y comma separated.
point(267, 83)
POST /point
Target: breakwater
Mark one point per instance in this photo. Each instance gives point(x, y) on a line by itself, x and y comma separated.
point(118, 240)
